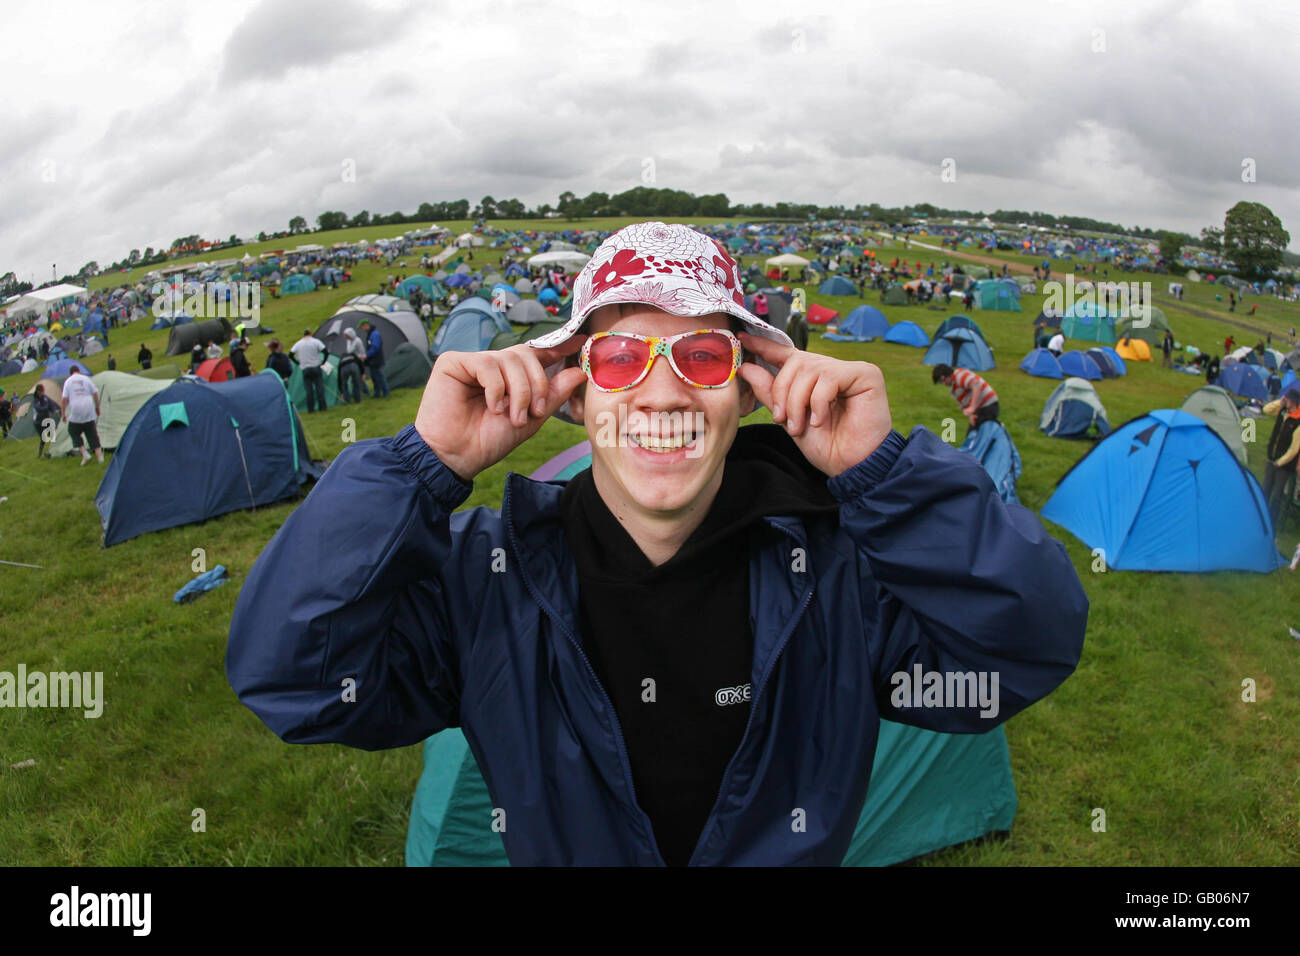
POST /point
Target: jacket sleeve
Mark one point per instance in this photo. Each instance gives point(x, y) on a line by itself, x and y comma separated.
point(1289, 455)
point(955, 582)
point(353, 622)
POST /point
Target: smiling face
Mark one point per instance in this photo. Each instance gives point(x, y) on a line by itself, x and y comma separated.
point(658, 448)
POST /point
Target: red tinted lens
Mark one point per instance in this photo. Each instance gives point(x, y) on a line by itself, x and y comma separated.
point(617, 361)
point(705, 359)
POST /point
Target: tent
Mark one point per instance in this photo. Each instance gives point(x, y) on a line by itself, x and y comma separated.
point(837, 285)
point(778, 307)
point(1105, 364)
point(820, 315)
point(63, 367)
point(296, 284)
point(23, 426)
point(1150, 329)
point(908, 333)
point(184, 337)
point(863, 324)
point(1080, 365)
point(788, 260)
point(380, 303)
point(1240, 379)
point(1042, 363)
point(957, 322)
point(1134, 349)
point(121, 395)
point(569, 261)
point(216, 370)
point(1164, 493)
point(999, 296)
point(394, 328)
point(408, 367)
point(1214, 406)
point(1115, 358)
point(894, 295)
point(928, 790)
point(1088, 322)
point(469, 330)
point(194, 451)
point(527, 312)
point(1047, 321)
point(992, 446)
point(1072, 410)
point(960, 348)
point(169, 372)
point(418, 281)
point(10, 367)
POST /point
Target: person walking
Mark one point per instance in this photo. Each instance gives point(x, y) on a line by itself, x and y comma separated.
point(375, 359)
point(1167, 349)
point(112, 364)
point(309, 353)
point(144, 356)
point(1283, 450)
point(351, 367)
point(81, 411)
point(6, 413)
point(45, 416)
point(239, 360)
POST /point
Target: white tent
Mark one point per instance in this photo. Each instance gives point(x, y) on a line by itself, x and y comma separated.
point(468, 239)
point(787, 259)
point(565, 260)
point(41, 301)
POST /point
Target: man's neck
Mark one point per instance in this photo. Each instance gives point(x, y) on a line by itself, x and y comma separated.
point(658, 535)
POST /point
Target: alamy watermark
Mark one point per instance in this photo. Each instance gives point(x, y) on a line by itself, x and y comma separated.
point(1119, 300)
point(948, 690)
point(209, 300)
point(82, 690)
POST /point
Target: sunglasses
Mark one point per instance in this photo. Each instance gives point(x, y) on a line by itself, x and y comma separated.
point(705, 358)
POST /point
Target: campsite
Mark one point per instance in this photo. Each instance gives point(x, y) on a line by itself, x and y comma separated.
point(1097, 325)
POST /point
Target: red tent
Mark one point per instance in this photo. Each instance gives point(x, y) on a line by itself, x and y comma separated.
point(820, 315)
point(216, 370)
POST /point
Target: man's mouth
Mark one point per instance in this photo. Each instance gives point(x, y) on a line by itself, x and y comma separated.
point(663, 444)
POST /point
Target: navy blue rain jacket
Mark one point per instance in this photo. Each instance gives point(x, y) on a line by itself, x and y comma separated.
point(471, 620)
point(375, 349)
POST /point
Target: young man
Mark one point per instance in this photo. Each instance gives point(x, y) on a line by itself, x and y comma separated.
point(1283, 450)
point(375, 359)
point(688, 647)
point(1056, 344)
point(309, 353)
point(81, 410)
point(978, 400)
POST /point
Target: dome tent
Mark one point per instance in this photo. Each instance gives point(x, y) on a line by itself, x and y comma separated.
point(296, 284)
point(960, 348)
point(908, 333)
point(957, 322)
point(928, 790)
point(194, 451)
point(992, 446)
point(184, 337)
point(408, 367)
point(394, 329)
point(121, 395)
point(1080, 365)
point(1164, 493)
point(1133, 349)
point(1214, 406)
point(1240, 379)
point(1088, 322)
point(469, 330)
point(863, 324)
point(1042, 364)
point(1149, 328)
point(995, 295)
point(1072, 410)
point(837, 285)
point(1109, 367)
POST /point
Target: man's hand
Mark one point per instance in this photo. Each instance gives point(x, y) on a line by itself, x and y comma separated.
point(479, 406)
point(836, 412)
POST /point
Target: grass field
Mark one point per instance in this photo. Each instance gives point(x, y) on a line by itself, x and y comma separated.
point(1152, 727)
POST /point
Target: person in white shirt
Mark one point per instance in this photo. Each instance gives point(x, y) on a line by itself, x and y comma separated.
point(1056, 344)
point(214, 350)
point(309, 353)
point(81, 411)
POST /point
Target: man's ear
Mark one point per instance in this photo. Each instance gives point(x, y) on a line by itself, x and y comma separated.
point(748, 400)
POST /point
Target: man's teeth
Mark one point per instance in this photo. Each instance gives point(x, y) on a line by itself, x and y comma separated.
point(662, 444)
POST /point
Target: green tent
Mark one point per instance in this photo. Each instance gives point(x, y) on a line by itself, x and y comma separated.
point(407, 367)
point(168, 372)
point(298, 391)
point(120, 396)
point(23, 426)
point(1089, 325)
point(1214, 406)
point(1153, 333)
point(928, 791)
point(977, 272)
point(894, 295)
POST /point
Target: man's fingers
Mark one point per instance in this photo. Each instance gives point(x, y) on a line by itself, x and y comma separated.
point(552, 355)
point(823, 396)
point(766, 349)
point(760, 380)
point(518, 389)
point(797, 398)
point(561, 389)
point(489, 378)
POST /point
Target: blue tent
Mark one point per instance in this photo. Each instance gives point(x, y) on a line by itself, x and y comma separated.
point(1042, 363)
point(837, 285)
point(992, 446)
point(94, 322)
point(1165, 493)
point(63, 366)
point(908, 333)
point(863, 324)
point(297, 283)
point(419, 281)
point(957, 322)
point(1080, 365)
point(960, 348)
point(1105, 364)
point(196, 450)
point(1242, 380)
point(1072, 410)
point(1289, 379)
point(1116, 359)
point(469, 330)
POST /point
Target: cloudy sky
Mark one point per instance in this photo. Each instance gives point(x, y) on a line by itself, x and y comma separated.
point(127, 123)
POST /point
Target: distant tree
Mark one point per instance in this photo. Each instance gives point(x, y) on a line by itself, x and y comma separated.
point(360, 219)
point(568, 204)
point(1171, 247)
point(1253, 238)
point(92, 268)
point(511, 209)
point(133, 257)
point(426, 212)
point(331, 220)
point(148, 253)
point(297, 224)
point(1212, 238)
point(486, 208)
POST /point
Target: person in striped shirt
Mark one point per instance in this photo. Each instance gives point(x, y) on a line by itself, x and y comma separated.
point(978, 400)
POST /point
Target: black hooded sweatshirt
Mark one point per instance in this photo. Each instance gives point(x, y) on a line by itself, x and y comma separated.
point(673, 645)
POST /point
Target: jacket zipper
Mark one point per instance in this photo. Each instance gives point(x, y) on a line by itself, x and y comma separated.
point(753, 708)
point(624, 762)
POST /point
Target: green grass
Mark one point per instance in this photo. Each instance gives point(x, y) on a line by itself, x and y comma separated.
point(1151, 728)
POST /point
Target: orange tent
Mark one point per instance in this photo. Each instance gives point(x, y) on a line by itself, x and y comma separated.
point(1134, 350)
point(220, 370)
